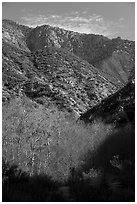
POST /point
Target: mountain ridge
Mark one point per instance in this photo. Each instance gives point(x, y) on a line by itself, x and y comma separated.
point(30, 58)
point(92, 48)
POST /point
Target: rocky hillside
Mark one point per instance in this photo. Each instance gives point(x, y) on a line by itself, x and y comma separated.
point(73, 80)
point(15, 34)
point(120, 65)
point(118, 108)
point(51, 64)
point(114, 57)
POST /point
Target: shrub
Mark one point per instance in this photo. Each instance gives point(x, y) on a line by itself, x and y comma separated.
point(43, 140)
point(96, 161)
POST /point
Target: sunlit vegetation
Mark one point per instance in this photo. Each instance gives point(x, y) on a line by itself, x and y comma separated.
point(44, 148)
point(44, 140)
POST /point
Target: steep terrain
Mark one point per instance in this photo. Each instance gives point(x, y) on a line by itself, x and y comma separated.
point(120, 65)
point(51, 73)
point(15, 34)
point(118, 108)
point(51, 64)
point(114, 57)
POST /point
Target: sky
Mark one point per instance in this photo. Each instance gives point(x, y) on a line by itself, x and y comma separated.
point(111, 19)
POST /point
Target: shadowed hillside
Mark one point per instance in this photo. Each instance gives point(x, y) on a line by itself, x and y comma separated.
point(118, 108)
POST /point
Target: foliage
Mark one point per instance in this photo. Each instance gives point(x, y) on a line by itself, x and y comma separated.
point(44, 140)
point(19, 186)
point(86, 162)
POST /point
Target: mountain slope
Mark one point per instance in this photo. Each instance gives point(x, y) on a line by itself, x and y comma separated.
point(50, 73)
point(121, 63)
point(66, 80)
point(114, 57)
point(118, 108)
point(51, 64)
point(71, 78)
point(15, 34)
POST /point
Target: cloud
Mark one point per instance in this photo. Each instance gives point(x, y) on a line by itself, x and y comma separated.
point(78, 22)
point(99, 19)
point(79, 19)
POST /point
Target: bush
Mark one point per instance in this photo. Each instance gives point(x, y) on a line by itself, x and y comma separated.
point(93, 162)
point(42, 140)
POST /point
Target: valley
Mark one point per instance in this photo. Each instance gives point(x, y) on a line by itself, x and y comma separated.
point(68, 121)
